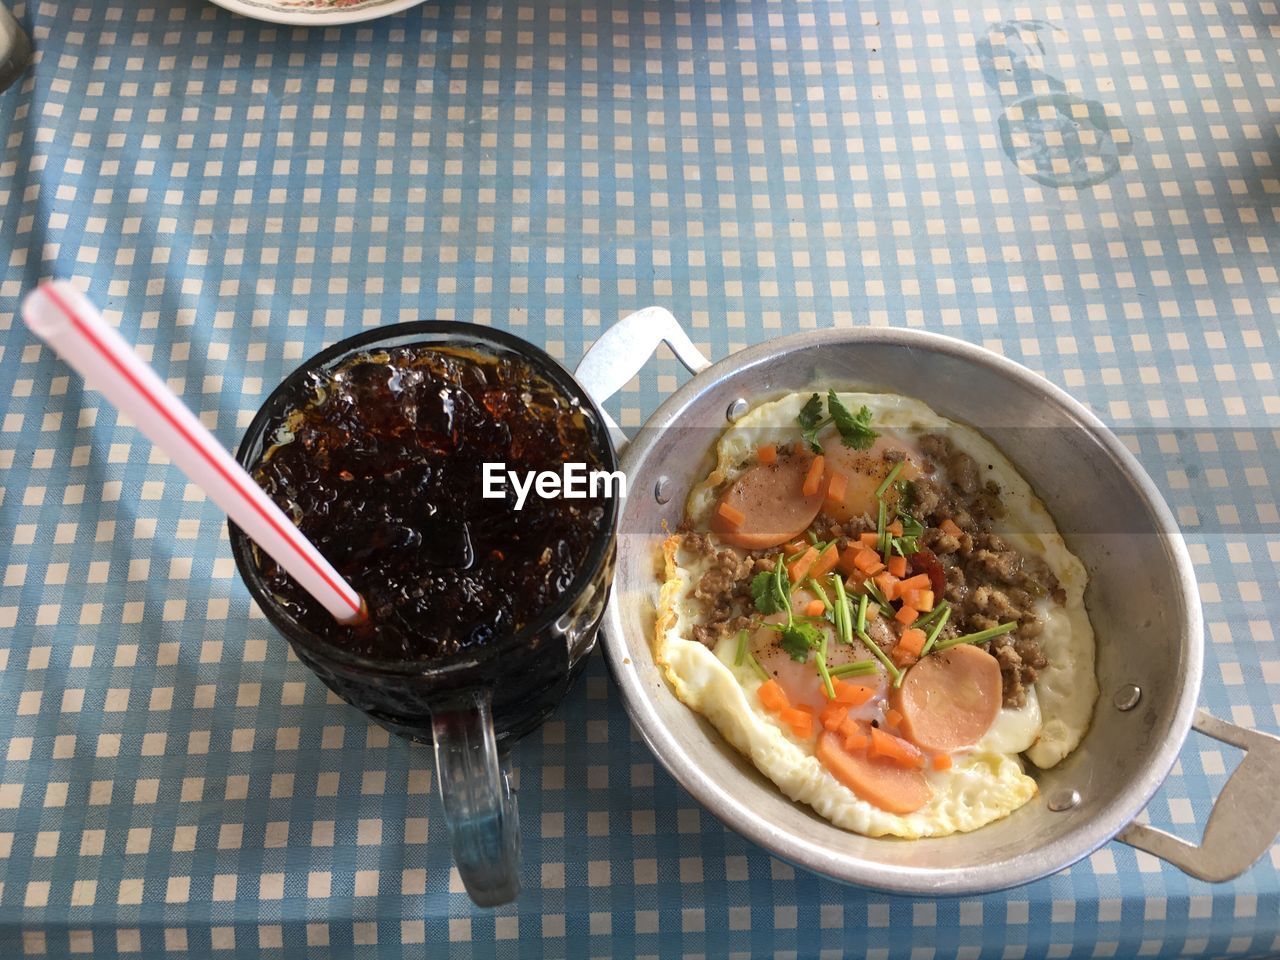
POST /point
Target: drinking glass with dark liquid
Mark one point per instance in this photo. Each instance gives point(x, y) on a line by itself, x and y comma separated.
point(479, 614)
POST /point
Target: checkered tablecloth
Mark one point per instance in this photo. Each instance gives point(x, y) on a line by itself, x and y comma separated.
point(1091, 190)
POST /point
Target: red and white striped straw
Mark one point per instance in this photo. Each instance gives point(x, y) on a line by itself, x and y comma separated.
point(65, 319)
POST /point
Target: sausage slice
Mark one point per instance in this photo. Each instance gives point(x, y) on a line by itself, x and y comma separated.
point(950, 699)
point(876, 780)
point(768, 497)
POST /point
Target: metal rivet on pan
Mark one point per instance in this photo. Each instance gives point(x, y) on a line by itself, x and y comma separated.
point(662, 490)
point(736, 409)
point(1064, 800)
point(1127, 697)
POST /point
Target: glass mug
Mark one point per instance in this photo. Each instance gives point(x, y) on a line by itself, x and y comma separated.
point(477, 702)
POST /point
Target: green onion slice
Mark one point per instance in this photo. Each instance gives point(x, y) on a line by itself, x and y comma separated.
point(980, 637)
point(888, 481)
point(937, 629)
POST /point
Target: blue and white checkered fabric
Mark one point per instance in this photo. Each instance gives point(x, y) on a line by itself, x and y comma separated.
point(1091, 190)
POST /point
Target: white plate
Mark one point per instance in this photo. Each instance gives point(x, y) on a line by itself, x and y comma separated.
point(316, 13)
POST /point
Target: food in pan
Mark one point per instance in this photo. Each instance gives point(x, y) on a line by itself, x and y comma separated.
point(870, 603)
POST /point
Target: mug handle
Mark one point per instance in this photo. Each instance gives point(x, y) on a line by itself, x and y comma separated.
point(624, 349)
point(1245, 818)
point(484, 826)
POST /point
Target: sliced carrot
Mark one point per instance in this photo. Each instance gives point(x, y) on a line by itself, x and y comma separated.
point(920, 581)
point(868, 561)
point(879, 782)
point(767, 453)
point(942, 761)
point(813, 479)
point(921, 600)
point(893, 717)
point(895, 528)
point(888, 585)
point(814, 608)
point(836, 488)
point(826, 561)
point(852, 694)
point(897, 566)
point(912, 641)
point(895, 748)
point(907, 615)
point(870, 540)
point(794, 547)
point(732, 515)
point(949, 527)
point(799, 567)
point(845, 563)
point(833, 714)
point(773, 696)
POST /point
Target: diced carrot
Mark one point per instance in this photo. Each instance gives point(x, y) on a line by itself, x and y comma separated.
point(895, 748)
point(895, 528)
point(805, 708)
point(942, 761)
point(833, 714)
point(852, 694)
point(921, 600)
point(767, 453)
point(813, 479)
point(845, 563)
point(801, 723)
point(826, 561)
point(949, 527)
point(897, 566)
point(836, 488)
point(870, 540)
point(888, 585)
point(902, 658)
point(907, 615)
point(893, 717)
point(912, 641)
point(868, 561)
point(852, 736)
point(814, 608)
point(794, 547)
point(732, 515)
point(799, 567)
point(772, 696)
point(920, 581)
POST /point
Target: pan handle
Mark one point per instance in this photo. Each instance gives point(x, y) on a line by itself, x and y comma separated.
point(624, 349)
point(1245, 819)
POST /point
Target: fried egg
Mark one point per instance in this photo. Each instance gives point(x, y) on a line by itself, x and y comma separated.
point(985, 781)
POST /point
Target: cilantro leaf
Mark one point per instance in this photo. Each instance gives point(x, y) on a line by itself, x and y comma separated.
point(906, 494)
point(909, 542)
point(798, 639)
point(811, 421)
point(764, 592)
point(855, 429)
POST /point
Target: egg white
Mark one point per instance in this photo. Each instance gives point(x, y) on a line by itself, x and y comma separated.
point(985, 782)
